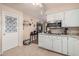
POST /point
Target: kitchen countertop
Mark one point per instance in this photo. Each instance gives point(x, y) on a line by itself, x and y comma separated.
point(71, 35)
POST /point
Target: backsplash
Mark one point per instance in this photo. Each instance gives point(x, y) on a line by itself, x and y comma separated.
point(72, 31)
point(55, 30)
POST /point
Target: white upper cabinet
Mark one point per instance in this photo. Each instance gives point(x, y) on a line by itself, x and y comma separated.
point(55, 16)
point(71, 18)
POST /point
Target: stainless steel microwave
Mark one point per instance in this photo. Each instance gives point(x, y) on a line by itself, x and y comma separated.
point(55, 24)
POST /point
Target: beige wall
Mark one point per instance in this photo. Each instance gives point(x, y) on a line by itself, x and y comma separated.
point(27, 28)
point(57, 7)
point(0, 32)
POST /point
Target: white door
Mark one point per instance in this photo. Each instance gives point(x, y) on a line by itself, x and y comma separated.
point(57, 44)
point(9, 30)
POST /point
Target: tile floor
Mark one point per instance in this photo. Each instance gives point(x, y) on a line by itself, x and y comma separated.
point(29, 50)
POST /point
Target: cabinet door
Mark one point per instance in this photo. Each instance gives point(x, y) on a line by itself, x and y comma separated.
point(59, 16)
point(71, 18)
point(57, 45)
point(51, 18)
point(55, 16)
point(76, 53)
point(41, 40)
point(45, 42)
point(71, 46)
point(48, 42)
point(64, 45)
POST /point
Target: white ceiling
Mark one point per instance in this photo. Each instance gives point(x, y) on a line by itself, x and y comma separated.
point(26, 8)
point(33, 10)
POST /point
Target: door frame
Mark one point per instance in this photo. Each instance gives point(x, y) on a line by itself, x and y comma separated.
point(2, 17)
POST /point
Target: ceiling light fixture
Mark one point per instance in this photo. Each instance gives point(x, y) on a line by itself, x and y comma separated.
point(37, 4)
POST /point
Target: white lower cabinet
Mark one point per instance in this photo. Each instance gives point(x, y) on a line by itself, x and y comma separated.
point(41, 39)
point(67, 45)
point(57, 44)
point(45, 41)
point(77, 47)
point(48, 42)
point(73, 46)
point(64, 45)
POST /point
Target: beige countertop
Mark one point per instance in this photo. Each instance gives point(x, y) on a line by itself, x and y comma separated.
point(69, 35)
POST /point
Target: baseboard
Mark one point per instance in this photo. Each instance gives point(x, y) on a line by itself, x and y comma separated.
point(8, 49)
point(54, 51)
